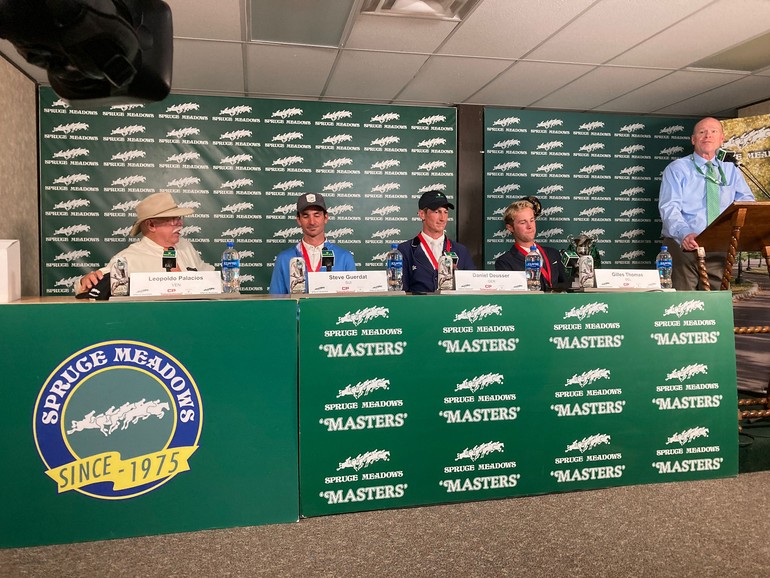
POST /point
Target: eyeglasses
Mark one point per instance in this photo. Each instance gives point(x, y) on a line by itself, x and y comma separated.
point(168, 221)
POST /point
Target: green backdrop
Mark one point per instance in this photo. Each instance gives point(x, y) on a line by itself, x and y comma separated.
point(240, 163)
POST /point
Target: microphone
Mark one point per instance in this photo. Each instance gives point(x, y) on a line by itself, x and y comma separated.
point(727, 156)
point(169, 258)
point(327, 259)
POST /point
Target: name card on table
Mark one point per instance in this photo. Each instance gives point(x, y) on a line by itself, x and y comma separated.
point(645, 279)
point(490, 280)
point(180, 283)
point(347, 282)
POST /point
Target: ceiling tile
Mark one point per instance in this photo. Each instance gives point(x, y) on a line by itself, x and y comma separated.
point(527, 82)
point(372, 32)
point(510, 29)
point(377, 75)
point(669, 90)
point(220, 20)
point(751, 88)
point(609, 28)
point(201, 65)
point(452, 79)
point(718, 26)
point(282, 69)
point(599, 86)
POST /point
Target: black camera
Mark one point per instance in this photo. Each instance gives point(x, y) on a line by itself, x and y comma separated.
point(95, 51)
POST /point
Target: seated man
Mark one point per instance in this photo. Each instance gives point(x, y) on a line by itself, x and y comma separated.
point(519, 219)
point(421, 254)
point(159, 220)
point(312, 218)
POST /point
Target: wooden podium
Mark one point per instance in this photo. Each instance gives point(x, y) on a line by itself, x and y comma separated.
point(743, 226)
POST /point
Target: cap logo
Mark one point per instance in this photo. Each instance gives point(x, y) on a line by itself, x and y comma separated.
point(310, 198)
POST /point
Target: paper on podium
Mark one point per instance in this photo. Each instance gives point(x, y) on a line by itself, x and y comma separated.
point(10, 270)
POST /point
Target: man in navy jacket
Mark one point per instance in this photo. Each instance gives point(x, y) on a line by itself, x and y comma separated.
point(421, 254)
point(519, 219)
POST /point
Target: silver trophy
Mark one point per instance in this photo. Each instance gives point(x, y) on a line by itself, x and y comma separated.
point(297, 275)
point(119, 278)
point(584, 246)
point(446, 273)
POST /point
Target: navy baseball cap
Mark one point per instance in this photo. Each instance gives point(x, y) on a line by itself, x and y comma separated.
point(434, 200)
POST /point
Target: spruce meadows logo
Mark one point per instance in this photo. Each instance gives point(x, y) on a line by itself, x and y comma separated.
point(685, 308)
point(363, 388)
point(685, 337)
point(588, 377)
point(363, 315)
point(117, 419)
point(687, 372)
point(480, 451)
point(698, 464)
point(480, 382)
point(688, 435)
point(478, 313)
point(364, 460)
point(587, 310)
point(588, 443)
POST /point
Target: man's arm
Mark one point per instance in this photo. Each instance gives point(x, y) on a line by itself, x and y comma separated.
point(670, 207)
point(279, 282)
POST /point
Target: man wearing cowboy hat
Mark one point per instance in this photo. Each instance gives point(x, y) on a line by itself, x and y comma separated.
point(159, 220)
point(421, 254)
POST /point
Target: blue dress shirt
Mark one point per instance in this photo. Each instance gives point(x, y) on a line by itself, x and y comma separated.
point(682, 201)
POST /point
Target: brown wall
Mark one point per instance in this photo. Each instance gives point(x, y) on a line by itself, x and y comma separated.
point(19, 207)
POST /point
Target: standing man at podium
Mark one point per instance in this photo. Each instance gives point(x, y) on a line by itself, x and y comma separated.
point(694, 191)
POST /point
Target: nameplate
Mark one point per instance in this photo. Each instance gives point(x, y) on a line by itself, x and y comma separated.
point(181, 283)
point(627, 279)
point(490, 280)
point(347, 282)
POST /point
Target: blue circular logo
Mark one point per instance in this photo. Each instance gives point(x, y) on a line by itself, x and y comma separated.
point(117, 419)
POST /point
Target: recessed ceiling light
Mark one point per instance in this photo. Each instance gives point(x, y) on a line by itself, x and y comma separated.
point(440, 9)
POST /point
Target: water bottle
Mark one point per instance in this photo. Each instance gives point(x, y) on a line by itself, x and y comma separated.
point(663, 264)
point(395, 263)
point(532, 268)
point(231, 268)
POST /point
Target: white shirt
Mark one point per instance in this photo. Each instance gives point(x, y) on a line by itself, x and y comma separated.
point(314, 254)
point(436, 245)
point(146, 256)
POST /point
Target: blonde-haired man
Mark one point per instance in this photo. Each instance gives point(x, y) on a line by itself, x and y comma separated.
point(519, 219)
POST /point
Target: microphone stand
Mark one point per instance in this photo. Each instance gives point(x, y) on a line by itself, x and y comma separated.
point(749, 175)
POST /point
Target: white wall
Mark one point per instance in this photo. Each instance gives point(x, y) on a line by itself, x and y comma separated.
point(19, 206)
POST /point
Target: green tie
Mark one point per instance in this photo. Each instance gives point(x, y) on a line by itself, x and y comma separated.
point(712, 192)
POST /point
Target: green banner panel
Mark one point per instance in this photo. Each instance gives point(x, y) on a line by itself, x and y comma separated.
point(128, 419)
point(240, 163)
point(422, 400)
point(595, 174)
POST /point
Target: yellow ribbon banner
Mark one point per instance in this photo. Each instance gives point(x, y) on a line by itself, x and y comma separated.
point(109, 467)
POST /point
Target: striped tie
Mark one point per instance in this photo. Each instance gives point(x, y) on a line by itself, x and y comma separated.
point(712, 192)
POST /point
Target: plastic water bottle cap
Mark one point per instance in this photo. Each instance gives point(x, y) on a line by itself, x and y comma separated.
point(231, 243)
point(533, 248)
point(664, 248)
point(394, 245)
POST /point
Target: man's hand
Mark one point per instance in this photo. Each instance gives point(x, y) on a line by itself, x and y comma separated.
point(90, 280)
point(689, 243)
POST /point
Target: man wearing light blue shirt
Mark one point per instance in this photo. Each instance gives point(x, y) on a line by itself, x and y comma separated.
point(683, 203)
point(312, 217)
